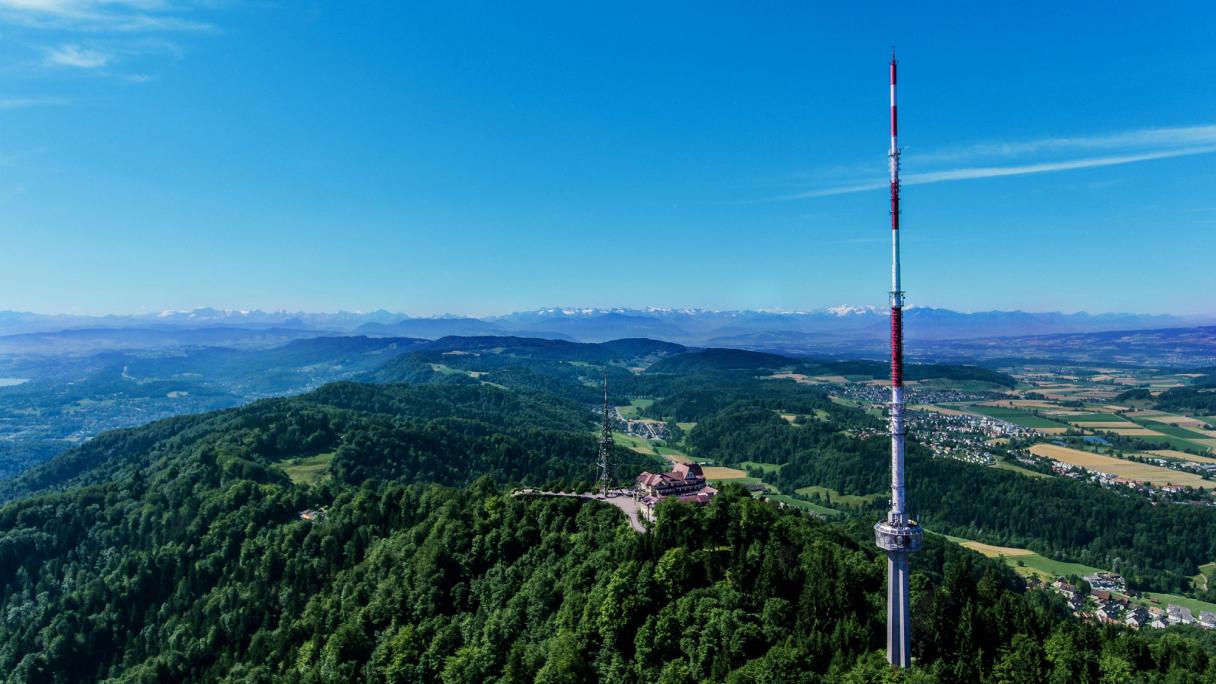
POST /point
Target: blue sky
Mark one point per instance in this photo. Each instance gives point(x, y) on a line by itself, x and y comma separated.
point(483, 158)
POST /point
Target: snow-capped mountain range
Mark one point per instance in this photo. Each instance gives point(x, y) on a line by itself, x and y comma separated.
point(833, 326)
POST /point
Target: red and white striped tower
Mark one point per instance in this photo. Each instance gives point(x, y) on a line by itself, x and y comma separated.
point(898, 535)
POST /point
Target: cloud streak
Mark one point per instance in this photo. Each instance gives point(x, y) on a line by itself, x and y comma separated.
point(100, 15)
point(24, 102)
point(78, 57)
point(1137, 146)
point(1142, 139)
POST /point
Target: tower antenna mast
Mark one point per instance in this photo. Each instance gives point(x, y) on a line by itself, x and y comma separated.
point(898, 534)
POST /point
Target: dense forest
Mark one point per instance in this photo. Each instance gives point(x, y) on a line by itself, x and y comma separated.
point(179, 551)
point(1057, 517)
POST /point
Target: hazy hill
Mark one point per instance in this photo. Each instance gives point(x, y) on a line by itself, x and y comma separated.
point(831, 330)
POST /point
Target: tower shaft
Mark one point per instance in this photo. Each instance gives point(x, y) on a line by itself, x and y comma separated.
point(898, 535)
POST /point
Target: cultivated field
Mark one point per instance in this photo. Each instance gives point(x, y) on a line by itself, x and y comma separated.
point(1140, 472)
point(1018, 417)
point(936, 409)
point(1181, 455)
point(723, 473)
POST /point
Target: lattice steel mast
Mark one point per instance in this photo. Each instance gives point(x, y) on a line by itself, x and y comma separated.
point(898, 535)
point(606, 444)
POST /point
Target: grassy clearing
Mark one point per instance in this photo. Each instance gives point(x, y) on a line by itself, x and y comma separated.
point(1026, 562)
point(307, 470)
point(686, 426)
point(1140, 472)
point(1162, 600)
point(838, 499)
point(634, 442)
point(765, 468)
point(632, 411)
point(674, 455)
point(1005, 465)
point(1206, 577)
point(803, 504)
point(1016, 416)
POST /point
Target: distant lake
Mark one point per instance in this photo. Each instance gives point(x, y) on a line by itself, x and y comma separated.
point(9, 382)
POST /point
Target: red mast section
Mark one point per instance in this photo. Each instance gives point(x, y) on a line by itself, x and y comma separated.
point(897, 295)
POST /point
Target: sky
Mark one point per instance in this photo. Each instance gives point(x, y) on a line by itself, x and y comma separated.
point(482, 158)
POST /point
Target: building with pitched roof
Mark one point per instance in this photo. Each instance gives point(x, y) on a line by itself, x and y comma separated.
point(684, 482)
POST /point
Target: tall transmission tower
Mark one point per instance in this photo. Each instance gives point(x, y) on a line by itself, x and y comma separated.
point(898, 535)
point(606, 444)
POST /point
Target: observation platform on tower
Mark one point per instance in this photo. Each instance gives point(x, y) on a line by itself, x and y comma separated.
point(893, 536)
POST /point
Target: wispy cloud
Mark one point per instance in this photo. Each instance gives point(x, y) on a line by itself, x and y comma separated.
point(1133, 146)
point(102, 15)
point(24, 102)
point(77, 56)
point(104, 38)
point(1142, 139)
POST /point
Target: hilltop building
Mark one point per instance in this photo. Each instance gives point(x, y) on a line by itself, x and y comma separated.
point(686, 482)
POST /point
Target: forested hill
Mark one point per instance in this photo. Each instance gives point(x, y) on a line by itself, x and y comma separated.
point(366, 532)
point(185, 558)
point(745, 361)
point(561, 367)
point(444, 433)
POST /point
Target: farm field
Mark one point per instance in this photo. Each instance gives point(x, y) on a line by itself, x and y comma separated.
point(936, 409)
point(1181, 456)
point(1104, 424)
point(1140, 472)
point(1171, 430)
point(1017, 417)
point(1170, 419)
point(1097, 418)
point(308, 470)
point(724, 473)
point(1158, 437)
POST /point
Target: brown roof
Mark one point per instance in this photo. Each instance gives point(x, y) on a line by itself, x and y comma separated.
point(687, 471)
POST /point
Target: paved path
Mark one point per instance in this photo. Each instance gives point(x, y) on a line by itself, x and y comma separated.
point(620, 499)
